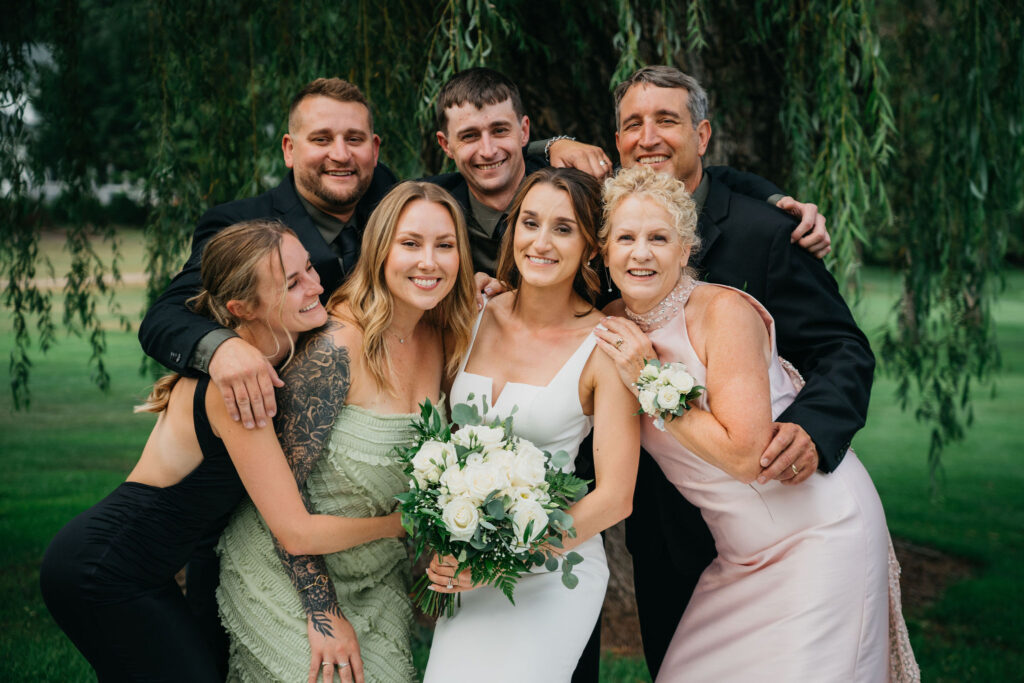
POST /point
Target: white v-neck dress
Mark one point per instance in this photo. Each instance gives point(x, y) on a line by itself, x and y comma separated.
point(541, 637)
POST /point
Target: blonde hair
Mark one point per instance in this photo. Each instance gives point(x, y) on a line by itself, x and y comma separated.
point(230, 270)
point(585, 198)
point(371, 302)
point(662, 189)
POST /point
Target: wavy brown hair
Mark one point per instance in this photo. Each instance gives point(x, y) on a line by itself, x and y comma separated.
point(585, 196)
point(371, 302)
point(229, 270)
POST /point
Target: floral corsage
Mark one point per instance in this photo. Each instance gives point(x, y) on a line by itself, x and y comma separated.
point(665, 390)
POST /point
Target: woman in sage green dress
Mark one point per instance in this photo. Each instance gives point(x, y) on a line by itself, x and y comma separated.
point(349, 397)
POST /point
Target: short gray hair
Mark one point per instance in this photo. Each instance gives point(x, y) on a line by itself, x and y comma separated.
point(666, 77)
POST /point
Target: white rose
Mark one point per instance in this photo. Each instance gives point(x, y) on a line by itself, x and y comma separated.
point(650, 371)
point(519, 494)
point(484, 477)
point(488, 437)
point(528, 469)
point(668, 398)
point(647, 398)
point(461, 517)
point(501, 458)
point(474, 459)
point(454, 479)
point(681, 380)
point(527, 511)
point(429, 461)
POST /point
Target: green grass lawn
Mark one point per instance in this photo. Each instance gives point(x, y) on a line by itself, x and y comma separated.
point(76, 444)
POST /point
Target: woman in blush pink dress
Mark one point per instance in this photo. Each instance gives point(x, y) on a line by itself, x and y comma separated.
point(800, 590)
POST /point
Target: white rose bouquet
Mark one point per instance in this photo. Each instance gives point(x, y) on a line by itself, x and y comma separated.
point(494, 501)
point(665, 390)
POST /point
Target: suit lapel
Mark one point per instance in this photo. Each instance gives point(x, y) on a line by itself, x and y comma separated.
point(290, 211)
point(714, 212)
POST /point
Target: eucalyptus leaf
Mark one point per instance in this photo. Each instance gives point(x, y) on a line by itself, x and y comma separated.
point(559, 459)
point(465, 414)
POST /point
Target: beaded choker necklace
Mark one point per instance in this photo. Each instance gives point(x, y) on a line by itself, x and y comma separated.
point(667, 308)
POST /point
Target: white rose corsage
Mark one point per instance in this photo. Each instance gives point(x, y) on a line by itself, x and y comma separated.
point(665, 390)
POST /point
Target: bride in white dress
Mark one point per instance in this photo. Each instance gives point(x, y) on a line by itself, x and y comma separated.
point(532, 350)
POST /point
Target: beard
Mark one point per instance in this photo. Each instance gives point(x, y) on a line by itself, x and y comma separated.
point(312, 181)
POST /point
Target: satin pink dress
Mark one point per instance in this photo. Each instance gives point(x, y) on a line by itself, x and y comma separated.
point(800, 588)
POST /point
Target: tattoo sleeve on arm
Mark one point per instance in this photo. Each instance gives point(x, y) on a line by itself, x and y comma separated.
point(316, 385)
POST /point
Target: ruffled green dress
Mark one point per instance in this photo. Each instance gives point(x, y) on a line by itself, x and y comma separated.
point(357, 476)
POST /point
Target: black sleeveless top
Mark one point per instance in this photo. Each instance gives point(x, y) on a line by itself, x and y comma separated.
point(140, 535)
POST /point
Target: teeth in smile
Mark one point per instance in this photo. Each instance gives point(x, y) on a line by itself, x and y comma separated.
point(425, 282)
point(653, 160)
point(488, 167)
point(640, 272)
point(310, 307)
point(541, 261)
point(340, 174)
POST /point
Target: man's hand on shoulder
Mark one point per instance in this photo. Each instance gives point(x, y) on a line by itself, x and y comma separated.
point(486, 286)
point(246, 380)
point(811, 233)
point(566, 153)
point(791, 456)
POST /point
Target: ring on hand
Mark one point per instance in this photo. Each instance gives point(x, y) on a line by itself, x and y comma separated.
point(328, 664)
point(619, 342)
point(795, 470)
point(450, 583)
point(602, 162)
point(342, 665)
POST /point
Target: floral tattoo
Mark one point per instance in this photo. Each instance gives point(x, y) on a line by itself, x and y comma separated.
point(316, 385)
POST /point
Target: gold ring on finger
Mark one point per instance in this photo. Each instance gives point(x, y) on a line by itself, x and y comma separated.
point(619, 342)
point(795, 470)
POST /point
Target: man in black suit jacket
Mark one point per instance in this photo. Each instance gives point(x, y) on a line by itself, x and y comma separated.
point(662, 121)
point(334, 184)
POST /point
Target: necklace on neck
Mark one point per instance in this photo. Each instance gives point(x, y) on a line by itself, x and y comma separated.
point(667, 308)
point(401, 337)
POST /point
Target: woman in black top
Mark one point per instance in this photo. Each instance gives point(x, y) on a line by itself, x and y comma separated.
point(108, 576)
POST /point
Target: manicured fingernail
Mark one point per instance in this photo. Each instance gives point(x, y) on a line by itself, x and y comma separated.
point(761, 480)
point(263, 423)
point(764, 463)
point(431, 588)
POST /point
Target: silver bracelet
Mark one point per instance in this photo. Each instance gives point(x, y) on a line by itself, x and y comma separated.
point(547, 147)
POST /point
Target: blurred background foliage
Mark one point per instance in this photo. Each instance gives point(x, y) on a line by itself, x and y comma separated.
point(903, 120)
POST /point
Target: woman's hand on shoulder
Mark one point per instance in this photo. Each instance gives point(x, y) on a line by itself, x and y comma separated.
point(626, 346)
point(333, 644)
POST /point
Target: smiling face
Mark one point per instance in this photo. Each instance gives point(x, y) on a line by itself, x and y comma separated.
point(423, 263)
point(644, 252)
point(299, 309)
point(486, 145)
point(548, 245)
point(655, 129)
point(332, 149)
